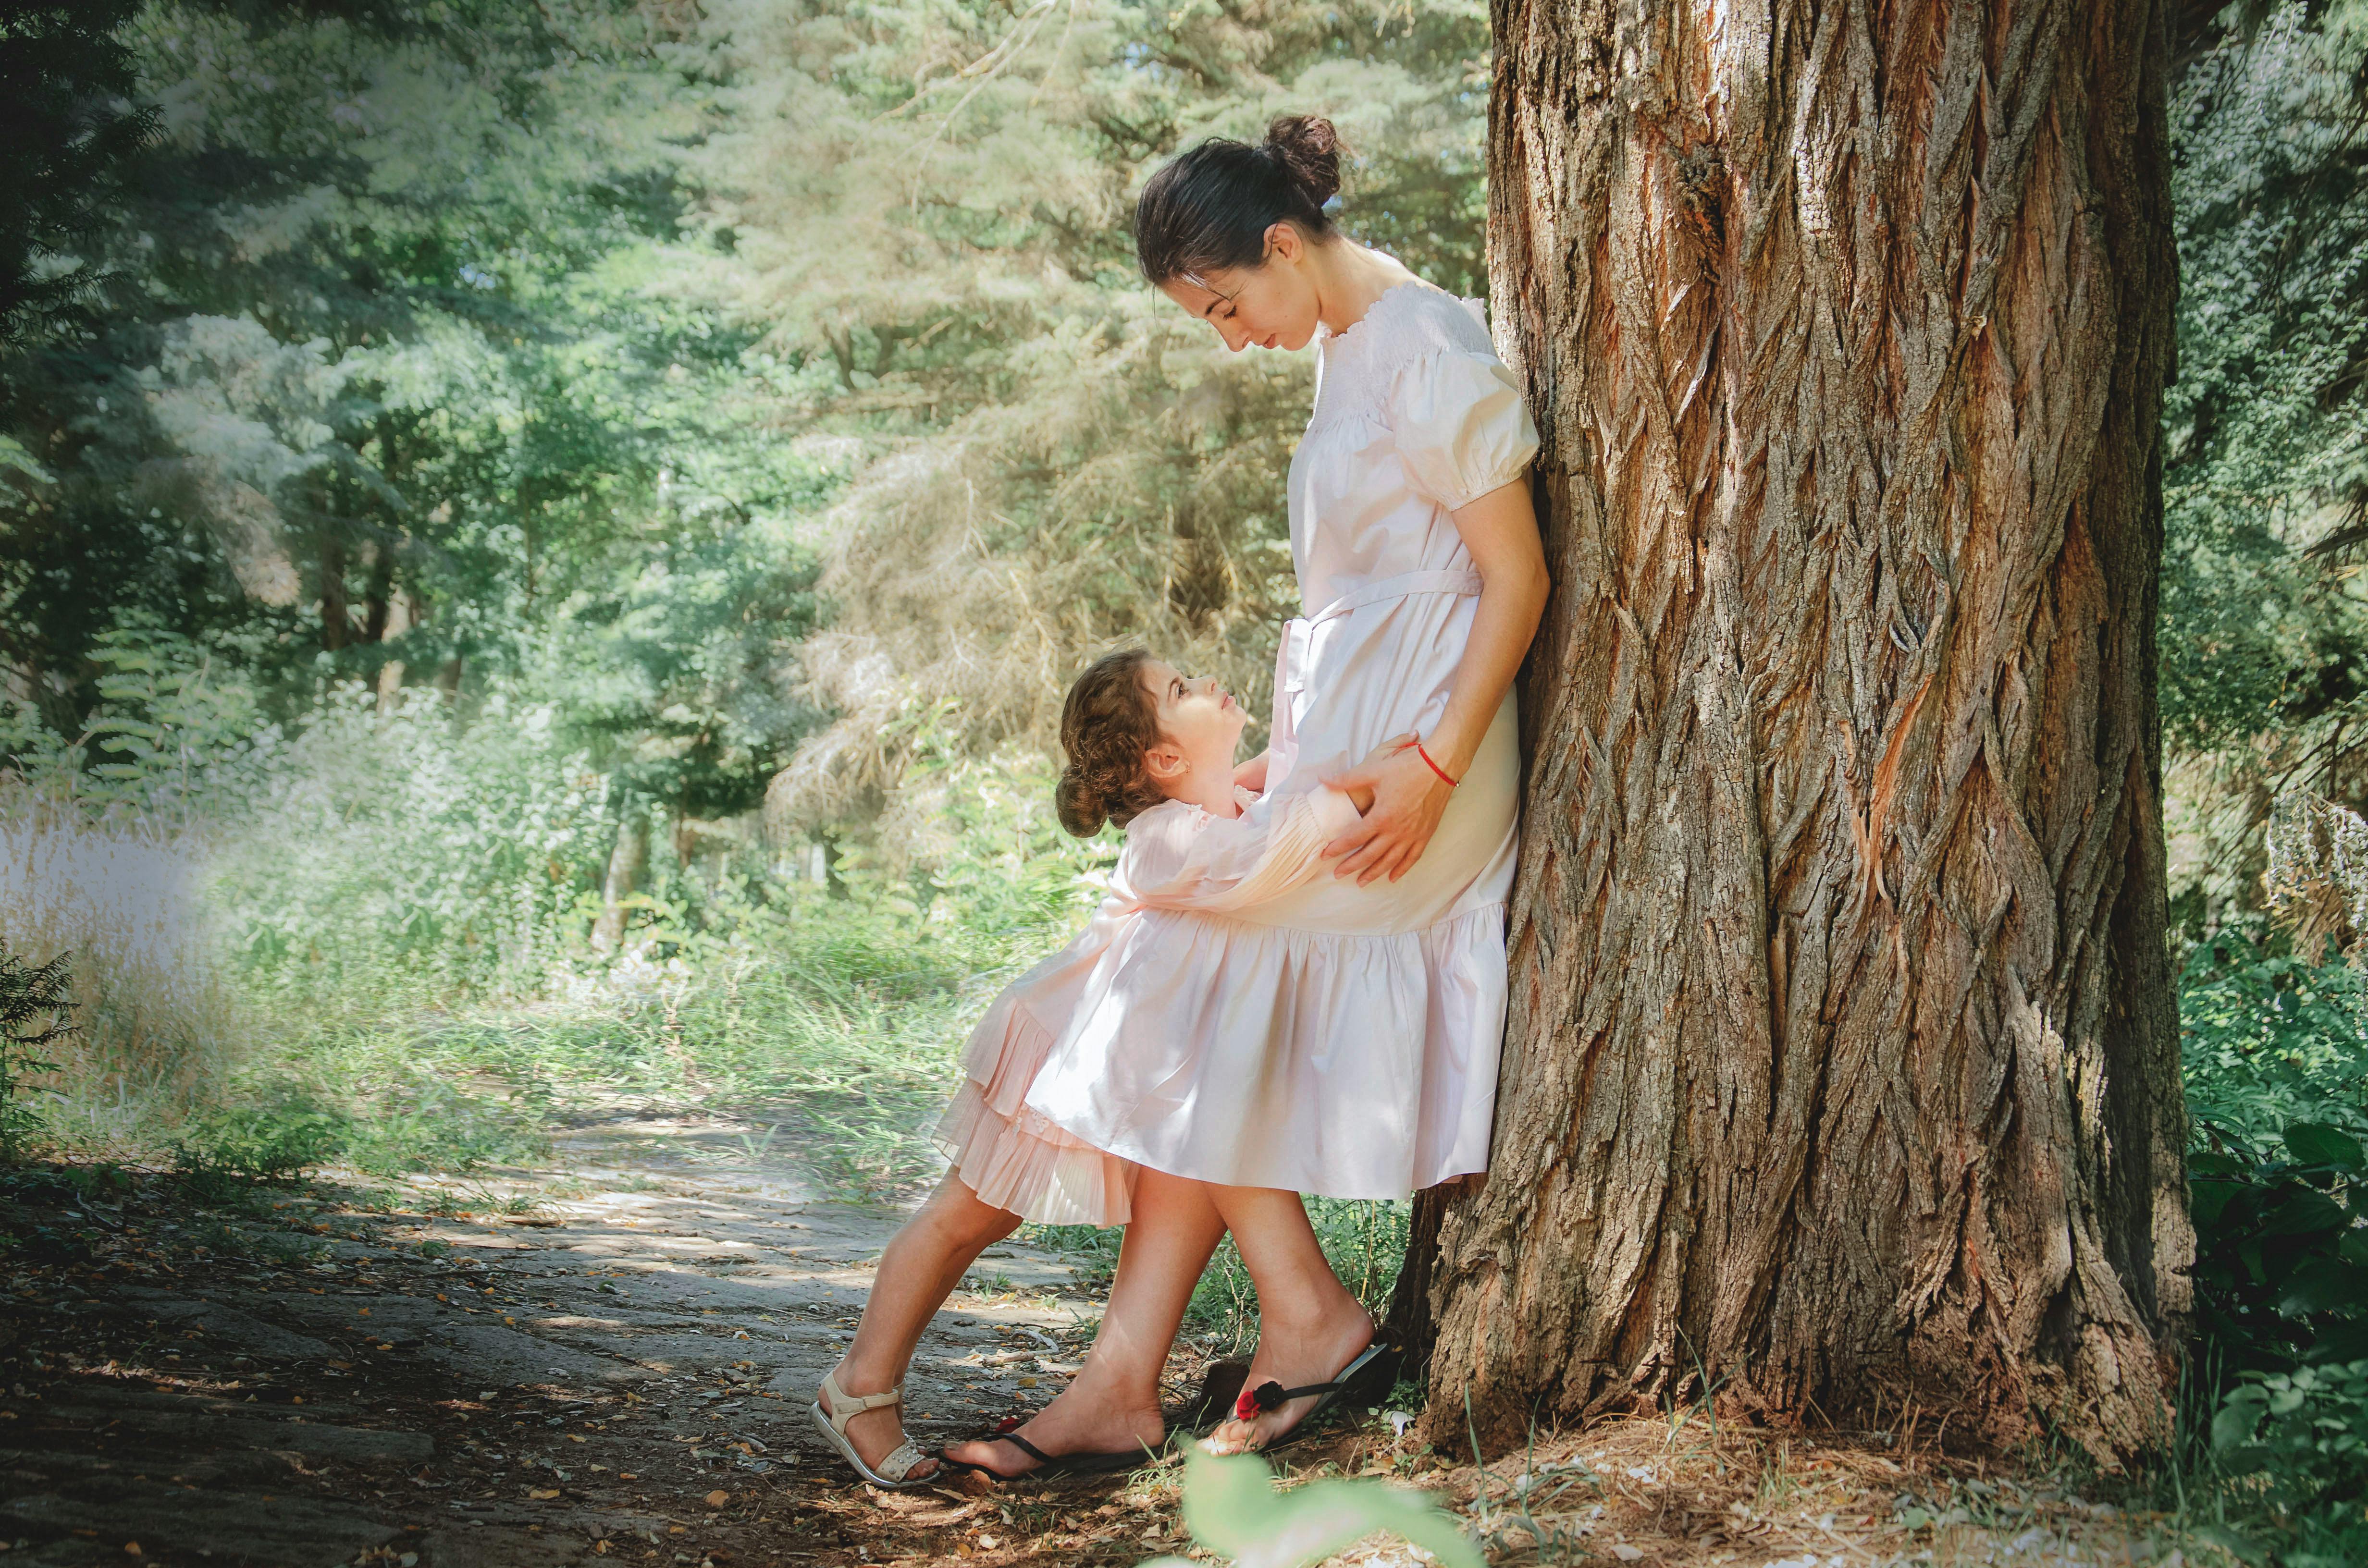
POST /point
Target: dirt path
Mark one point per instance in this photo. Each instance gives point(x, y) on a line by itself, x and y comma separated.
point(625, 1366)
point(620, 1371)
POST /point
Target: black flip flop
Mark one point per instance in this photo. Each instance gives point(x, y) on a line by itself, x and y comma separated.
point(1050, 1465)
point(1372, 1362)
point(1221, 1384)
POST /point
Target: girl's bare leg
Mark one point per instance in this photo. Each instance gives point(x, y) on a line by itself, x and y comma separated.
point(1309, 1324)
point(1114, 1404)
point(919, 1269)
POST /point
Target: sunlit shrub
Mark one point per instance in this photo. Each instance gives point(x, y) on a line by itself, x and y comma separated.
point(406, 855)
point(120, 892)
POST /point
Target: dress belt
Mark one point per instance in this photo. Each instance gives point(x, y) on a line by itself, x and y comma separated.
point(1292, 655)
point(1464, 583)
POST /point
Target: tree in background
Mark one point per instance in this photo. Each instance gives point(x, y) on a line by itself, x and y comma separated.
point(2265, 651)
point(403, 388)
point(67, 127)
point(930, 204)
point(1843, 1066)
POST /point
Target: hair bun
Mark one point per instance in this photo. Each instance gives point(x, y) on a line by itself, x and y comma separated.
point(1310, 151)
point(1079, 804)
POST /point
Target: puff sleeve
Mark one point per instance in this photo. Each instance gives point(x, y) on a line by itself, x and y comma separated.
point(1182, 857)
point(1462, 428)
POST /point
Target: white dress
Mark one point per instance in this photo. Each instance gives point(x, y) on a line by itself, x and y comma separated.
point(1319, 1036)
point(1177, 857)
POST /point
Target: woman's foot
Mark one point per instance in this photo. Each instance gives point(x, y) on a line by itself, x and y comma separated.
point(875, 1434)
point(1076, 1423)
point(1294, 1354)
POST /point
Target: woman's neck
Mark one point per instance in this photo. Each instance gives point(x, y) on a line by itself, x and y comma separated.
point(1349, 278)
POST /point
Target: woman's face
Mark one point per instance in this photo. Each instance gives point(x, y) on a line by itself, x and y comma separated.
point(1200, 724)
point(1272, 305)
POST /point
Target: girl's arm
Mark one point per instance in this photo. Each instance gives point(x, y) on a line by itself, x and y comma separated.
point(1500, 531)
point(1189, 859)
point(1251, 775)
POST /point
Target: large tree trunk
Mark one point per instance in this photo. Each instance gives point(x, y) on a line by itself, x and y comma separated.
point(1842, 1063)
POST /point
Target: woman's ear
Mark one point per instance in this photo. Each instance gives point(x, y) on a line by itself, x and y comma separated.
point(1284, 243)
point(1164, 764)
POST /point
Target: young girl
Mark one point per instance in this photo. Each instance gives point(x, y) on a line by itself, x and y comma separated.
point(1152, 750)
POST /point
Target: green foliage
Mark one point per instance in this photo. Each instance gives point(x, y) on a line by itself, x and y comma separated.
point(65, 76)
point(931, 201)
point(2265, 629)
point(1232, 1505)
point(2275, 1059)
point(388, 1124)
point(2269, 1040)
point(34, 1007)
point(2304, 1433)
point(270, 1141)
point(2281, 1266)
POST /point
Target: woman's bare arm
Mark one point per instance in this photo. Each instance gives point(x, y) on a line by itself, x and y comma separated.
point(1500, 531)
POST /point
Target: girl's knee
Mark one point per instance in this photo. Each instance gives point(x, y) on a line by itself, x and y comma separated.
point(958, 1214)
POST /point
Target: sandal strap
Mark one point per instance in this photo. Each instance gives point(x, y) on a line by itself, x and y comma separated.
point(1271, 1395)
point(899, 1463)
point(845, 1407)
point(1022, 1444)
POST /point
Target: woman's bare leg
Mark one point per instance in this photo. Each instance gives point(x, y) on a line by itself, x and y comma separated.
point(1309, 1324)
point(919, 1269)
point(1114, 1404)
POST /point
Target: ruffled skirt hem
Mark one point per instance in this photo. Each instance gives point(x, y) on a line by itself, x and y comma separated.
point(1010, 1156)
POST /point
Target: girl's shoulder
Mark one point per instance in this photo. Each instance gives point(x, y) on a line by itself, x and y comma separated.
point(1170, 819)
point(1155, 821)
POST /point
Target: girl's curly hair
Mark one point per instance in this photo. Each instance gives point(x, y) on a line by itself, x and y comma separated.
point(1108, 721)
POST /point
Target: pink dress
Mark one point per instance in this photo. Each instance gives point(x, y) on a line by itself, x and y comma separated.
point(1305, 1032)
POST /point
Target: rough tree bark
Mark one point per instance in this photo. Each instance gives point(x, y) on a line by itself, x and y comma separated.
point(1842, 1067)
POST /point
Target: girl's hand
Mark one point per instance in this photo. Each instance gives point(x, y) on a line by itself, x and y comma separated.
point(1251, 775)
point(1409, 799)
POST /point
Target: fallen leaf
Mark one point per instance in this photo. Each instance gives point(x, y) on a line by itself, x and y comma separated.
point(717, 1499)
point(542, 1495)
point(132, 1548)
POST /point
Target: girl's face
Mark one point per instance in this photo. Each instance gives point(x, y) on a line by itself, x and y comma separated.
point(1272, 305)
point(1199, 726)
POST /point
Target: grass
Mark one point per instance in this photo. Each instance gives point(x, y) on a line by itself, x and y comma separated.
point(119, 898)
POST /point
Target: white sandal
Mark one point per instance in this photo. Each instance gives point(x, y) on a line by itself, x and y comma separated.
point(844, 1408)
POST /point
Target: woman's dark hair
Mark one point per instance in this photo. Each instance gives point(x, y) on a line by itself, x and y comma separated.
point(1209, 210)
point(1107, 724)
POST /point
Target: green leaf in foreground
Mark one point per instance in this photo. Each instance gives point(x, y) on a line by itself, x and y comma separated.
point(2316, 1143)
point(1230, 1505)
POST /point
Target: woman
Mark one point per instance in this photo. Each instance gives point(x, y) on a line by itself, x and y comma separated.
point(1341, 1039)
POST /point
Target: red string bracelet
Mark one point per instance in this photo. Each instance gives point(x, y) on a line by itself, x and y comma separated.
point(1434, 766)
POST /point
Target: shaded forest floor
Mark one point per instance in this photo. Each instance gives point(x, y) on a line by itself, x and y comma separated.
point(609, 1360)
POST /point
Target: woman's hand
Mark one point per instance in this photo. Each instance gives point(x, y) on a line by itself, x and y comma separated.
point(1407, 799)
point(1251, 775)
